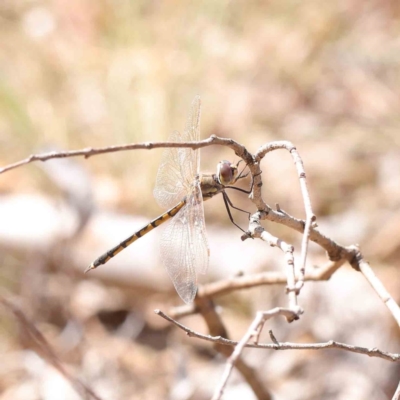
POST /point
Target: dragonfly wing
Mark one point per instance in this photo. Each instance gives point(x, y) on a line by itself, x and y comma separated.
point(184, 248)
point(179, 166)
point(192, 134)
point(170, 187)
point(197, 227)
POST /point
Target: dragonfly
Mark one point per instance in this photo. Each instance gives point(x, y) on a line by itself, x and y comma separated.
point(181, 189)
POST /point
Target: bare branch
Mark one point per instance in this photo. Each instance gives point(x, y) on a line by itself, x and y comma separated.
point(379, 289)
point(253, 331)
point(371, 352)
point(257, 231)
point(239, 150)
point(234, 283)
point(310, 217)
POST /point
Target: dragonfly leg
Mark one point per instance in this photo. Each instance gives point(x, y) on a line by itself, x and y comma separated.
point(241, 176)
point(229, 203)
point(242, 190)
point(239, 189)
point(241, 173)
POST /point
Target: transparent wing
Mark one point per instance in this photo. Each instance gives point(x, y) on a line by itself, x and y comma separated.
point(192, 134)
point(179, 166)
point(184, 246)
point(170, 188)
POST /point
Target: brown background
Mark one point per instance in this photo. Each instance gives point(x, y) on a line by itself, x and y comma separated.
point(75, 74)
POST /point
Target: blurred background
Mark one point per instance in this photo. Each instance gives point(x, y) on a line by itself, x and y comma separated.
point(77, 74)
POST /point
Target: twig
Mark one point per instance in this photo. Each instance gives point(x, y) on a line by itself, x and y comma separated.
point(310, 217)
point(335, 250)
point(225, 286)
point(239, 150)
point(231, 284)
point(45, 350)
point(257, 231)
point(253, 331)
point(379, 288)
point(332, 344)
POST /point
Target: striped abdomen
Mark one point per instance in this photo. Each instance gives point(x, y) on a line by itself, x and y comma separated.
point(137, 235)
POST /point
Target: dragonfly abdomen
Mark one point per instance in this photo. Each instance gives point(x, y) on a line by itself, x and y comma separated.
point(137, 235)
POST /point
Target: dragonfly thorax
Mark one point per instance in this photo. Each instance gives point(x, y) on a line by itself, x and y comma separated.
point(210, 186)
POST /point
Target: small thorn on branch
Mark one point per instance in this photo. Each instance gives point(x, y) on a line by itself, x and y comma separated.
point(246, 235)
point(273, 338)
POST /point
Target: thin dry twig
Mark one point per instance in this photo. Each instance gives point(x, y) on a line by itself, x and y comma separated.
point(379, 289)
point(91, 151)
point(332, 344)
point(253, 331)
point(43, 349)
point(310, 216)
point(234, 283)
point(225, 286)
point(257, 231)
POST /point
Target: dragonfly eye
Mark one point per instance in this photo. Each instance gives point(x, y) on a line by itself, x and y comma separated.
point(226, 173)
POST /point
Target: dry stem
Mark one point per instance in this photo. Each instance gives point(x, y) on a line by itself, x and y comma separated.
point(331, 344)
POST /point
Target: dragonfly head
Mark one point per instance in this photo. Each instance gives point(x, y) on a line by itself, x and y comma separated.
point(227, 173)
